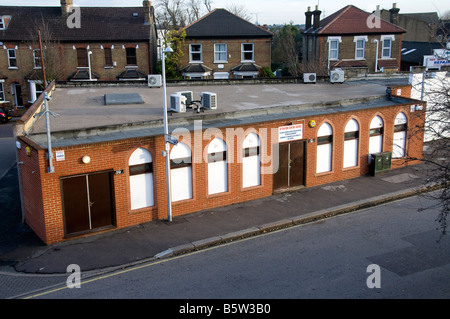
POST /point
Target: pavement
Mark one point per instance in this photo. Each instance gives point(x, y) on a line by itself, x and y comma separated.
point(21, 251)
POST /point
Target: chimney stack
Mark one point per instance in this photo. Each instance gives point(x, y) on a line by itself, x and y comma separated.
point(308, 15)
point(65, 6)
point(316, 14)
point(394, 14)
point(148, 11)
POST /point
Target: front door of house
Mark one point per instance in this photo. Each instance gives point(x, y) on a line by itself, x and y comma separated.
point(291, 170)
point(16, 91)
point(88, 202)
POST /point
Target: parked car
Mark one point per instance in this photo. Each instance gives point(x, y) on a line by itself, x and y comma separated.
point(5, 115)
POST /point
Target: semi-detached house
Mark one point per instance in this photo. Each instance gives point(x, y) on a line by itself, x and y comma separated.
point(80, 44)
point(221, 45)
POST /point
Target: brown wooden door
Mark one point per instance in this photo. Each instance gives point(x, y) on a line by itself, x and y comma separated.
point(291, 165)
point(88, 202)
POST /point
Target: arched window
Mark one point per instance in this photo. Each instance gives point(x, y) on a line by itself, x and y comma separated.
point(324, 148)
point(399, 147)
point(351, 138)
point(251, 162)
point(376, 136)
point(141, 179)
point(181, 172)
point(217, 167)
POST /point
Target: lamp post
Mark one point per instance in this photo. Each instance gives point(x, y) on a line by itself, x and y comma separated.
point(166, 133)
point(89, 64)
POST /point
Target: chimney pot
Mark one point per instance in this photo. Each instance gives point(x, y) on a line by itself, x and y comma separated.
point(308, 15)
point(394, 14)
point(316, 14)
point(65, 6)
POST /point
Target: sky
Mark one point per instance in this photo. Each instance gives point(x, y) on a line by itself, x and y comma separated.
point(271, 11)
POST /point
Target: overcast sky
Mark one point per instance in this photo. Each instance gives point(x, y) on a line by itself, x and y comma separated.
point(271, 11)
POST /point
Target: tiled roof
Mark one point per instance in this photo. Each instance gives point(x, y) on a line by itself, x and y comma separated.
point(97, 24)
point(350, 64)
point(388, 64)
point(352, 20)
point(196, 68)
point(221, 23)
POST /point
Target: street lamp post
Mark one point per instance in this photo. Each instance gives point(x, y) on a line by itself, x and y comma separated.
point(89, 64)
point(166, 133)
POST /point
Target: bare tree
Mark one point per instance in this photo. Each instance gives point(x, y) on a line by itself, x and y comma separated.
point(52, 49)
point(176, 14)
point(240, 10)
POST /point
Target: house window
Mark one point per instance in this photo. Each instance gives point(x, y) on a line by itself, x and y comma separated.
point(131, 56)
point(2, 23)
point(108, 57)
point(217, 167)
point(37, 59)
point(400, 129)
point(220, 52)
point(12, 58)
point(334, 49)
point(196, 53)
point(141, 179)
point(386, 41)
point(181, 172)
point(2, 92)
point(36, 89)
point(376, 136)
point(251, 162)
point(351, 137)
point(360, 46)
point(248, 53)
point(82, 58)
point(324, 148)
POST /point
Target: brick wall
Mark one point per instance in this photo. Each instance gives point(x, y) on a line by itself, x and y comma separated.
point(115, 155)
point(262, 52)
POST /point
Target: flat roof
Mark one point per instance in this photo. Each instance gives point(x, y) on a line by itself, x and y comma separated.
point(85, 118)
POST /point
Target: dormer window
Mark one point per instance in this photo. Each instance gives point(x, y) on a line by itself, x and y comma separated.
point(2, 23)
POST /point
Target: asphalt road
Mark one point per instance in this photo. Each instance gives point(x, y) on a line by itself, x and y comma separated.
point(7, 148)
point(326, 259)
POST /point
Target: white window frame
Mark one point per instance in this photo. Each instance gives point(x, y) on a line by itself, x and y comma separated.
point(191, 52)
point(244, 52)
point(324, 157)
point(2, 23)
point(220, 52)
point(2, 91)
point(400, 130)
point(351, 145)
point(12, 58)
point(251, 164)
point(181, 177)
point(331, 40)
point(363, 40)
point(391, 39)
point(141, 184)
point(34, 92)
point(376, 140)
point(217, 167)
point(37, 58)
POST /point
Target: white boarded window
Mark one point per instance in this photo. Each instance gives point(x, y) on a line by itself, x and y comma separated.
point(141, 179)
point(251, 161)
point(376, 136)
point(181, 172)
point(324, 148)
point(351, 139)
point(217, 167)
point(400, 128)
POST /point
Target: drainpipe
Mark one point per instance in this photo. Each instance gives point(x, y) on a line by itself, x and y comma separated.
point(376, 56)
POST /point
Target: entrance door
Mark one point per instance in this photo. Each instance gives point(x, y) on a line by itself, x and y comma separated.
point(17, 93)
point(291, 166)
point(88, 202)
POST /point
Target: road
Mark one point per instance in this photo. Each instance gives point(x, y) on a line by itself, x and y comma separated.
point(7, 148)
point(325, 259)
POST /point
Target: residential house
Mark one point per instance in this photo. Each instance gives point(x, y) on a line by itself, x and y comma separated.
point(86, 44)
point(351, 39)
point(221, 45)
point(421, 37)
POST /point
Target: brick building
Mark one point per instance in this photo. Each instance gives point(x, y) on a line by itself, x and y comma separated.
point(79, 44)
point(222, 45)
point(351, 39)
point(109, 172)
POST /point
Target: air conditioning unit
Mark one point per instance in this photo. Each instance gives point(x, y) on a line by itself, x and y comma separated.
point(189, 96)
point(154, 80)
point(309, 77)
point(209, 100)
point(177, 103)
point(337, 76)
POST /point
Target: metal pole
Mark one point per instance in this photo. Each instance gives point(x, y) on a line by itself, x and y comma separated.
point(166, 144)
point(89, 64)
point(423, 85)
point(49, 139)
point(376, 57)
point(44, 78)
